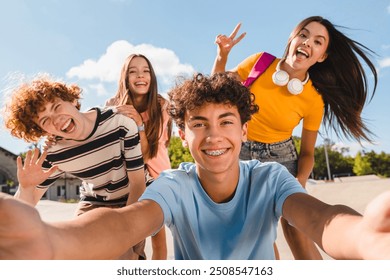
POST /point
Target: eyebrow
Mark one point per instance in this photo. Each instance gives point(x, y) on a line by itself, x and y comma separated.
point(307, 30)
point(50, 109)
point(144, 67)
point(200, 118)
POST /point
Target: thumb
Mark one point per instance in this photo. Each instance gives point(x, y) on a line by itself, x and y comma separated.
point(51, 171)
point(377, 212)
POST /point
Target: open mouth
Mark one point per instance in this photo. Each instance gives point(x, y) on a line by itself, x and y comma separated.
point(301, 52)
point(68, 126)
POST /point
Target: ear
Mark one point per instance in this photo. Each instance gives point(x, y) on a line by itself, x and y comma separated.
point(182, 136)
point(323, 57)
point(244, 136)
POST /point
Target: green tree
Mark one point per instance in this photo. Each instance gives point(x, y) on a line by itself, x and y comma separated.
point(339, 164)
point(379, 163)
point(177, 153)
point(362, 166)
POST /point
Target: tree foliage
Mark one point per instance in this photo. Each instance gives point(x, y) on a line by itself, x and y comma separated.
point(177, 153)
point(342, 164)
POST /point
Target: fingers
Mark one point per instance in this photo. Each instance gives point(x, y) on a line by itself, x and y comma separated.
point(27, 159)
point(19, 163)
point(234, 33)
point(231, 40)
point(239, 38)
point(42, 158)
point(52, 170)
point(35, 155)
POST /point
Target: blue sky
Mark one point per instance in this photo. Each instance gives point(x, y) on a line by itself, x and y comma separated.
point(86, 42)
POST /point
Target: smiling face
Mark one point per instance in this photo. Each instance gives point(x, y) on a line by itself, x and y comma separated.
point(308, 46)
point(62, 118)
point(214, 135)
point(139, 76)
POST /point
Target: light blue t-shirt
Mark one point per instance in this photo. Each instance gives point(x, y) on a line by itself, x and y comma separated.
point(242, 228)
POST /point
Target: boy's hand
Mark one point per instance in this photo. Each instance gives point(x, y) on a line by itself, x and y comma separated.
point(376, 229)
point(22, 232)
point(30, 174)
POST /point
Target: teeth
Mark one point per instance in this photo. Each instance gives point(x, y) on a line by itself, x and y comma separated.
point(215, 152)
point(302, 52)
point(140, 84)
point(66, 124)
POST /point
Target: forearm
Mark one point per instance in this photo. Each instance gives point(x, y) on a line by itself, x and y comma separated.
point(332, 227)
point(144, 145)
point(159, 245)
point(340, 236)
point(77, 239)
point(305, 167)
point(219, 64)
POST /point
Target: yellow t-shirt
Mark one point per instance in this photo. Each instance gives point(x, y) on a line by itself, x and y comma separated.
point(279, 111)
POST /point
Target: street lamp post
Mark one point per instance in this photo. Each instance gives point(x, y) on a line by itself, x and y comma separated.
point(326, 144)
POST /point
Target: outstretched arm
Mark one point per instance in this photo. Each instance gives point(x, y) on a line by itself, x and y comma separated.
point(341, 231)
point(103, 233)
point(225, 45)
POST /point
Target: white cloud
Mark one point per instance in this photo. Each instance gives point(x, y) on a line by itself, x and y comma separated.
point(383, 63)
point(353, 147)
point(100, 89)
point(107, 67)
point(385, 47)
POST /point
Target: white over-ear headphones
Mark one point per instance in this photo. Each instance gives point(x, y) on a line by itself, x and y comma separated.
point(281, 78)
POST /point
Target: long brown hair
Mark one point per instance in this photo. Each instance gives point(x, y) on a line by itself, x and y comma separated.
point(341, 81)
point(153, 127)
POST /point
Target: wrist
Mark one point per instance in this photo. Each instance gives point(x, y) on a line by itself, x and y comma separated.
point(141, 127)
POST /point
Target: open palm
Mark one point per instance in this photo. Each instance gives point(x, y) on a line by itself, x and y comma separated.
point(30, 173)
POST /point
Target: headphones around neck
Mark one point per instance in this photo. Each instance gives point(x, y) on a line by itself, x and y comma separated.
point(281, 78)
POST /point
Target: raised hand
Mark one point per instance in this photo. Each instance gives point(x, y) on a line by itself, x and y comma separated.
point(226, 43)
point(30, 173)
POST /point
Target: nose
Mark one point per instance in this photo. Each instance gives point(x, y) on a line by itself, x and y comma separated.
point(213, 135)
point(306, 42)
point(56, 120)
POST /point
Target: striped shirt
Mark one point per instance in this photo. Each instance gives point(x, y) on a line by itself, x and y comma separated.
point(101, 160)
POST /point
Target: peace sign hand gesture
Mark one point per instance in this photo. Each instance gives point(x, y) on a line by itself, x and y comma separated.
point(226, 43)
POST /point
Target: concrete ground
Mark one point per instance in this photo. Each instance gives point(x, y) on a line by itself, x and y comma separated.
point(355, 192)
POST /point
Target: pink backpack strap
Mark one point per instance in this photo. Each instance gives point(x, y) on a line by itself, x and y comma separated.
point(262, 63)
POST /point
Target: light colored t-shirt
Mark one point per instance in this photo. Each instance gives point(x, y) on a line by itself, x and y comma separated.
point(242, 228)
point(101, 161)
point(279, 111)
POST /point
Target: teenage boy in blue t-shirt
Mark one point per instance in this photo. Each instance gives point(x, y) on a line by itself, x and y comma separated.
point(216, 208)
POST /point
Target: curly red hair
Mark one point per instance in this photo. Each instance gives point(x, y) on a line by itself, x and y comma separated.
point(31, 98)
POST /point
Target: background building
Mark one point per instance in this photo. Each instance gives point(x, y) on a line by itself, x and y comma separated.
point(65, 188)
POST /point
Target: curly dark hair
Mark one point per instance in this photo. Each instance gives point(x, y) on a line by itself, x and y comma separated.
point(220, 88)
point(31, 98)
